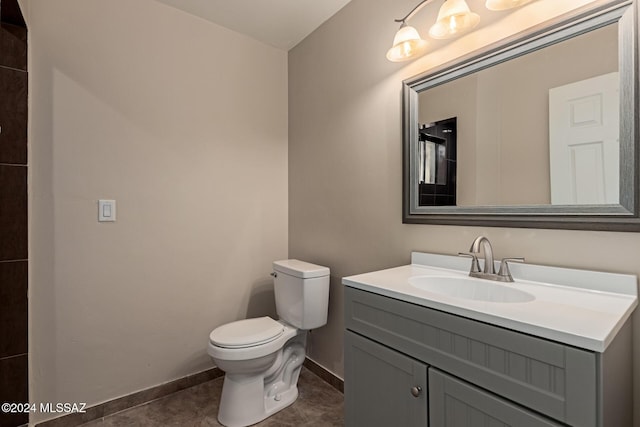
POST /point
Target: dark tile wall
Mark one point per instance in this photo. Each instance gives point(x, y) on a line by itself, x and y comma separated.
point(13, 40)
point(14, 388)
point(13, 211)
point(13, 214)
point(13, 316)
point(13, 112)
point(10, 13)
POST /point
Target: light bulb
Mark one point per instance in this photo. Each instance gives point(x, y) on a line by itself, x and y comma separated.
point(454, 18)
point(407, 44)
point(452, 24)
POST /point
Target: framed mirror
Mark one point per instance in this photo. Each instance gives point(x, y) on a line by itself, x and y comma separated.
point(538, 132)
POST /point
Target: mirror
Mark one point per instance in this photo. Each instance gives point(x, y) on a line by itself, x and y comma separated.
point(538, 132)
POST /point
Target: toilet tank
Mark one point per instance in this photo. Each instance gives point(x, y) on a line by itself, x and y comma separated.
point(301, 293)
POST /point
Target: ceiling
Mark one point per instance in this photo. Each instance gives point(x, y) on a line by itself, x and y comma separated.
point(279, 23)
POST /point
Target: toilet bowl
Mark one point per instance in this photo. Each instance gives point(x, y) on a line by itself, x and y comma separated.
point(253, 389)
point(262, 357)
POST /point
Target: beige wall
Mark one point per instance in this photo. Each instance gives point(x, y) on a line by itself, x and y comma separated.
point(184, 123)
point(345, 166)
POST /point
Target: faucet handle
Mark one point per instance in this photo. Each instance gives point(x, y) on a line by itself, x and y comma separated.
point(475, 265)
point(504, 267)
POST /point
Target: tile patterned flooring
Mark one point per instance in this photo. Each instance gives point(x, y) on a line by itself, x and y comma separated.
point(318, 405)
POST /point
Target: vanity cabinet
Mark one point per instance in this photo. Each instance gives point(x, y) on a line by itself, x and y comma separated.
point(389, 388)
point(471, 373)
point(456, 403)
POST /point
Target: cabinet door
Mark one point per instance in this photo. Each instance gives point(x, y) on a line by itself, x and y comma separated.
point(382, 387)
point(455, 403)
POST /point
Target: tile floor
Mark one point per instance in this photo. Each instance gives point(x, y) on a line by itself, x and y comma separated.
point(318, 404)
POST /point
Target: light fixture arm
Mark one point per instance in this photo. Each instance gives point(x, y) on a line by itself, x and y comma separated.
point(414, 11)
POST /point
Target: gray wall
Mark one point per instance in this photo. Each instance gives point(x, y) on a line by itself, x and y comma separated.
point(345, 168)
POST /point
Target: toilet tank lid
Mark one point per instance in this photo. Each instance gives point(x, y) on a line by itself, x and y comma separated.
point(304, 270)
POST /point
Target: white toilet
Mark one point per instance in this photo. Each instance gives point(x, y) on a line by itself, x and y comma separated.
point(262, 357)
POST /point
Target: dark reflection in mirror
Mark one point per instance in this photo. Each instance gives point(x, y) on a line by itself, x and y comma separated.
point(437, 156)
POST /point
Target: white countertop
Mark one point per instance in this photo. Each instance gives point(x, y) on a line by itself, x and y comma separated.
point(585, 309)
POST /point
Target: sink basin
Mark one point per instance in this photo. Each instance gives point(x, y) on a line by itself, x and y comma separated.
point(471, 289)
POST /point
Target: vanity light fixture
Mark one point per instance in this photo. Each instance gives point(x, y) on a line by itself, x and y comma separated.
point(454, 18)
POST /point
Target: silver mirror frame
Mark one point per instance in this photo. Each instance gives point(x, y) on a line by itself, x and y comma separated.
point(622, 217)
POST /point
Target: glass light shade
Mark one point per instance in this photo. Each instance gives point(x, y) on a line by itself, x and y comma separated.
point(454, 18)
point(504, 4)
point(407, 44)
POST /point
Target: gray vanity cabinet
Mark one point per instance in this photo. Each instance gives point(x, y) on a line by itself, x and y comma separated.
point(384, 387)
point(471, 373)
point(455, 403)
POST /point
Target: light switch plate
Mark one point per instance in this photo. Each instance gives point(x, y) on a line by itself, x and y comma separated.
point(106, 210)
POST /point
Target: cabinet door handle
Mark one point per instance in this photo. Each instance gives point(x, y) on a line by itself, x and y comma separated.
point(416, 390)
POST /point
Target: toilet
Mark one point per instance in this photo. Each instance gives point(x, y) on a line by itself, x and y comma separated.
point(262, 357)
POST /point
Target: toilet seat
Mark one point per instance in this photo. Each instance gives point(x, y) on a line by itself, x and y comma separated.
point(246, 333)
point(254, 350)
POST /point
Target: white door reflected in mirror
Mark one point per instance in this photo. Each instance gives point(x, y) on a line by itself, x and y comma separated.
point(584, 141)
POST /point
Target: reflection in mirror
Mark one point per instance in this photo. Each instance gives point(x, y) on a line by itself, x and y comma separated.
point(584, 141)
point(437, 156)
point(546, 129)
point(541, 128)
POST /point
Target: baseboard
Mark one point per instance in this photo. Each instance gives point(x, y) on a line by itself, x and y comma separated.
point(327, 376)
point(131, 400)
point(145, 396)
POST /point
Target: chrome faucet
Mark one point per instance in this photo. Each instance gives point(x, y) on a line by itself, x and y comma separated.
point(488, 253)
point(488, 272)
